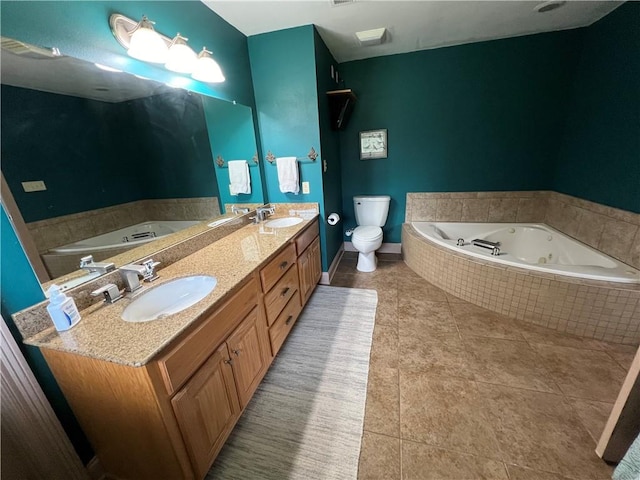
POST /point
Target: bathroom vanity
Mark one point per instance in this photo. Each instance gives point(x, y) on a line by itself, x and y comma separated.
point(159, 399)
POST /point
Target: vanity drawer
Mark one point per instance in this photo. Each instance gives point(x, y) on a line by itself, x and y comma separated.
point(270, 274)
point(184, 359)
point(279, 295)
point(284, 323)
point(306, 237)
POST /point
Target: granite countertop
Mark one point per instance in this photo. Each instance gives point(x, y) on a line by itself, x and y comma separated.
point(103, 335)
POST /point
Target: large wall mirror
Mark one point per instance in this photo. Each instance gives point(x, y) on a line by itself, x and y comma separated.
point(95, 157)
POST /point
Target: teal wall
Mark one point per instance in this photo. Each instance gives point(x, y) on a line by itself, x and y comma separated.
point(599, 158)
point(111, 153)
point(483, 116)
point(81, 29)
point(329, 144)
point(232, 136)
point(284, 77)
point(20, 289)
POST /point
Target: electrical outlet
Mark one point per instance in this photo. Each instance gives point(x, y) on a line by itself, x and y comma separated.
point(35, 186)
point(305, 187)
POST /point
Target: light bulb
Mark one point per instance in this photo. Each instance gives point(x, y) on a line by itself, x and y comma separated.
point(146, 44)
point(181, 58)
point(207, 69)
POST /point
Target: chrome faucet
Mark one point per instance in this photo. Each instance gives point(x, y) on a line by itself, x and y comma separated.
point(87, 263)
point(262, 213)
point(110, 292)
point(132, 272)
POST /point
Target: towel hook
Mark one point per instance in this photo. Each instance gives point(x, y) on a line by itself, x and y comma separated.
point(220, 161)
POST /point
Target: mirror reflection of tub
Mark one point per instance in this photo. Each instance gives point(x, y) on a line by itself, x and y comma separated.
point(112, 150)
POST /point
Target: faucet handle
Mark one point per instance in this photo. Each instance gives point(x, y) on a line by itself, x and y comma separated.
point(84, 261)
point(149, 266)
point(110, 291)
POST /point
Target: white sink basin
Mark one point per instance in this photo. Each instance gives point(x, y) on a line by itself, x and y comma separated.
point(283, 222)
point(169, 298)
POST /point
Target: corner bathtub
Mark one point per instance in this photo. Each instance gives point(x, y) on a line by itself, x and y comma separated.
point(532, 246)
point(66, 258)
point(541, 276)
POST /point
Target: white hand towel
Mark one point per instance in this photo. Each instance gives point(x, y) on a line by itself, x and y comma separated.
point(239, 179)
point(288, 175)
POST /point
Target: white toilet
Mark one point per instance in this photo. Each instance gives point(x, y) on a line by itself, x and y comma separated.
point(371, 214)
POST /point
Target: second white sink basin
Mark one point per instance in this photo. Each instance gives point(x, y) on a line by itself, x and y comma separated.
point(168, 298)
point(283, 222)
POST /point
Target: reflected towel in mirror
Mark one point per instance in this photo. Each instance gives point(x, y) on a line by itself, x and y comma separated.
point(288, 175)
point(239, 179)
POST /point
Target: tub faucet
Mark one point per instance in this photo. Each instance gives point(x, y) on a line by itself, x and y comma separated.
point(132, 273)
point(87, 263)
point(461, 242)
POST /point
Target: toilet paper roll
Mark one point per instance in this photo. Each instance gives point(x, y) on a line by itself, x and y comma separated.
point(333, 219)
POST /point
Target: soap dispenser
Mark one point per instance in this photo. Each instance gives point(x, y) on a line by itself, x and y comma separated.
point(62, 309)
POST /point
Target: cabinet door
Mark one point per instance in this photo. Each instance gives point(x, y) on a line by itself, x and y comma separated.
point(207, 409)
point(309, 269)
point(248, 357)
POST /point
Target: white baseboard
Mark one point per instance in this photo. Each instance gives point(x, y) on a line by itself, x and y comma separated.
point(385, 248)
point(328, 276)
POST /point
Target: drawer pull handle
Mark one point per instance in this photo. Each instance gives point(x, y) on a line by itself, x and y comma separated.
point(284, 291)
point(228, 361)
point(283, 265)
point(288, 320)
point(237, 352)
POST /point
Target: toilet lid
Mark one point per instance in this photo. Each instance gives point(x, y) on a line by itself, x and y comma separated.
point(367, 233)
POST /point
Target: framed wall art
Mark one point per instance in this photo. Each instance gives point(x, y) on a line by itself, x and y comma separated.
point(373, 144)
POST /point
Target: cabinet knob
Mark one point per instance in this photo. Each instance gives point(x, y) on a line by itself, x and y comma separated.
point(283, 265)
point(236, 352)
point(284, 291)
point(228, 361)
point(288, 320)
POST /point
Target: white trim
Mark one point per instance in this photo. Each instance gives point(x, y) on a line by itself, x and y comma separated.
point(328, 276)
point(385, 248)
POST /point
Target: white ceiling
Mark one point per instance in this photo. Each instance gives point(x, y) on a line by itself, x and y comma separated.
point(411, 25)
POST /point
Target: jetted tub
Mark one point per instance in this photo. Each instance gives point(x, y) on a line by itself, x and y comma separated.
point(532, 246)
point(126, 237)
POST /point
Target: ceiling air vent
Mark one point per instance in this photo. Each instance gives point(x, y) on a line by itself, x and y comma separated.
point(339, 3)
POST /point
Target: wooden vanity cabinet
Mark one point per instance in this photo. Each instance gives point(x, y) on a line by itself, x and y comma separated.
point(309, 263)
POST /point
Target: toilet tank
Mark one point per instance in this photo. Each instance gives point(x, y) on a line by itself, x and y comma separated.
point(371, 210)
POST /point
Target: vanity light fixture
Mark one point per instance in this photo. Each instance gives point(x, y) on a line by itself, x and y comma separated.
point(207, 69)
point(142, 42)
point(181, 58)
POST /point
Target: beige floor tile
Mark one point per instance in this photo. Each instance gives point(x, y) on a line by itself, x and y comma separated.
point(547, 336)
point(384, 346)
point(409, 288)
point(440, 354)
point(424, 462)
point(586, 374)
point(477, 321)
point(594, 415)
point(541, 431)
point(453, 299)
point(379, 457)
point(387, 309)
point(623, 359)
point(521, 473)
point(382, 409)
point(507, 362)
point(445, 412)
point(420, 317)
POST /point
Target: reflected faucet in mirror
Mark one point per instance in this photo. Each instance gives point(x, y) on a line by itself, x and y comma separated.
point(148, 149)
point(87, 263)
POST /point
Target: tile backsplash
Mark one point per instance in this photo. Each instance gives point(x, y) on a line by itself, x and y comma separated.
point(612, 231)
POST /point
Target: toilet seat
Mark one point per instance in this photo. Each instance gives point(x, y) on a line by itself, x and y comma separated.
point(367, 233)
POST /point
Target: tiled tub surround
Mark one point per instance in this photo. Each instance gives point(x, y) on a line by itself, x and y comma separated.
point(65, 229)
point(612, 231)
point(593, 309)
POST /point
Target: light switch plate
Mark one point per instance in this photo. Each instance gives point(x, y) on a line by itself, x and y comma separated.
point(305, 187)
point(35, 186)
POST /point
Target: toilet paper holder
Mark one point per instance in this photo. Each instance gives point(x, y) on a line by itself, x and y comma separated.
point(333, 219)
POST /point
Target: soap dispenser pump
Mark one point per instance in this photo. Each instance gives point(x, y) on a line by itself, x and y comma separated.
point(62, 309)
